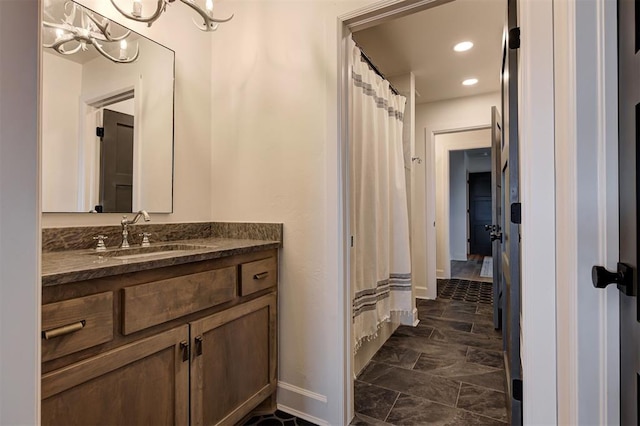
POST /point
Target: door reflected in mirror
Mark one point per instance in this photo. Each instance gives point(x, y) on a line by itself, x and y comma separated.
point(107, 126)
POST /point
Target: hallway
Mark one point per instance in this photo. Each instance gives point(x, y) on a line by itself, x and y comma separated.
point(448, 370)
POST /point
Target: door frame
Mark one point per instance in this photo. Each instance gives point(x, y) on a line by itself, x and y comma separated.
point(440, 174)
point(588, 320)
point(537, 119)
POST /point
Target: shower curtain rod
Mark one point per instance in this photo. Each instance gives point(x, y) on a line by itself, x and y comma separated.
point(376, 70)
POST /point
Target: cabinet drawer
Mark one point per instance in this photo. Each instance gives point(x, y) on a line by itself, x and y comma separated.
point(258, 275)
point(76, 324)
point(153, 303)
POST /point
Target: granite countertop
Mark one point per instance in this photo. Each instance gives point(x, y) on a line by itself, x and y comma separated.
point(61, 267)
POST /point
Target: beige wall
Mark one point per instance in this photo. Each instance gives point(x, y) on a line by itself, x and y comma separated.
point(275, 158)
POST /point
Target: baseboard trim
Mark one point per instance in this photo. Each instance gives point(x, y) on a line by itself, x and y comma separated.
point(302, 415)
point(301, 391)
point(421, 293)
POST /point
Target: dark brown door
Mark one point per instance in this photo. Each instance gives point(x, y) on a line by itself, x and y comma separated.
point(116, 163)
point(479, 213)
point(496, 215)
point(629, 120)
point(510, 217)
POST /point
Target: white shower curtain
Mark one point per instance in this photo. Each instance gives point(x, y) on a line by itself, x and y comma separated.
point(380, 257)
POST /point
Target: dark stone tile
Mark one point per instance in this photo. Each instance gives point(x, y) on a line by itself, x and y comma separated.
point(410, 410)
point(467, 317)
point(373, 401)
point(491, 379)
point(362, 420)
point(484, 357)
point(468, 308)
point(270, 422)
point(446, 324)
point(487, 330)
point(429, 347)
point(417, 331)
point(482, 401)
point(303, 422)
point(457, 370)
point(412, 382)
point(468, 339)
point(397, 355)
point(485, 310)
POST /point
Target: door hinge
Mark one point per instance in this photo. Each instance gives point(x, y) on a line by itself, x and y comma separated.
point(352, 241)
point(514, 38)
point(516, 389)
point(100, 132)
point(516, 213)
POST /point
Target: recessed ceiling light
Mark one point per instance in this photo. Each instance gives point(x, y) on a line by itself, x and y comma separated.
point(463, 46)
point(470, 82)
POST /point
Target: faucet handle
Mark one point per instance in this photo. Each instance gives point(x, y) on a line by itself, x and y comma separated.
point(145, 239)
point(100, 246)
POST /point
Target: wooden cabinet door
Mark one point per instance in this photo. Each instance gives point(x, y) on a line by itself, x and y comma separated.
point(233, 365)
point(142, 383)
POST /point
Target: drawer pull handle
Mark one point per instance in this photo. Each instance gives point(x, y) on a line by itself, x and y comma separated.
point(261, 276)
point(198, 340)
point(64, 330)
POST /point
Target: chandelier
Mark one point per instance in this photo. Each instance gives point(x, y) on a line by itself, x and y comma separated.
point(82, 27)
point(209, 23)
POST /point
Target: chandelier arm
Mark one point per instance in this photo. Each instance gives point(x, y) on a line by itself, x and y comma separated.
point(162, 5)
point(113, 58)
point(208, 20)
point(58, 46)
point(104, 29)
point(203, 27)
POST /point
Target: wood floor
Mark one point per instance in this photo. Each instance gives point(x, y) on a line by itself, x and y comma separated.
point(469, 270)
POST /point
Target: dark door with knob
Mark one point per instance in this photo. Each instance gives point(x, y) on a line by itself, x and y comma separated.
point(509, 234)
point(116, 162)
point(629, 122)
point(626, 276)
point(479, 213)
point(496, 215)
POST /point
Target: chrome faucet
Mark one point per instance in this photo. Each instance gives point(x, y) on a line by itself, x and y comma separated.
point(125, 226)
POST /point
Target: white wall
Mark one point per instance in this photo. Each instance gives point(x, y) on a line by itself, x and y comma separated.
point(275, 147)
point(19, 214)
point(458, 205)
point(432, 117)
point(60, 96)
point(192, 189)
point(478, 164)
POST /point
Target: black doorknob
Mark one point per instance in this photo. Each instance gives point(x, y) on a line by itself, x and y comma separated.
point(623, 278)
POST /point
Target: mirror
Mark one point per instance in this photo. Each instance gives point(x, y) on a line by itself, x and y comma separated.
point(107, 115)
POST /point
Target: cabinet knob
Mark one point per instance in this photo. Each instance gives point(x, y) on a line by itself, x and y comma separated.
point(198, 340)
point(184, 346)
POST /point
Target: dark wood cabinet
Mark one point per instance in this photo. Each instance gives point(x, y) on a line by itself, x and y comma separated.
point(234, 361)
point(178, 345)
point(142, 383)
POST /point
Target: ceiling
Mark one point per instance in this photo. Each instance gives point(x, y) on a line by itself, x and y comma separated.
point(423, 42)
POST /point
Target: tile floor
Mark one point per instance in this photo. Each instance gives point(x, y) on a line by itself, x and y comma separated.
point(470, 269)
point(448, 370)
point(279, 418)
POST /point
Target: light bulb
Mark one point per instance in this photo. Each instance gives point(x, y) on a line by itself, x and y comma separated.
point(59, 33)
point(470, 82)
point(463, 46)
point(137, 8)
point(123, 49)
point(209, 6)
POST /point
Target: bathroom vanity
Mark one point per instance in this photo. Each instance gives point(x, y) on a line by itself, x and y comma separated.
point(183, 335)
